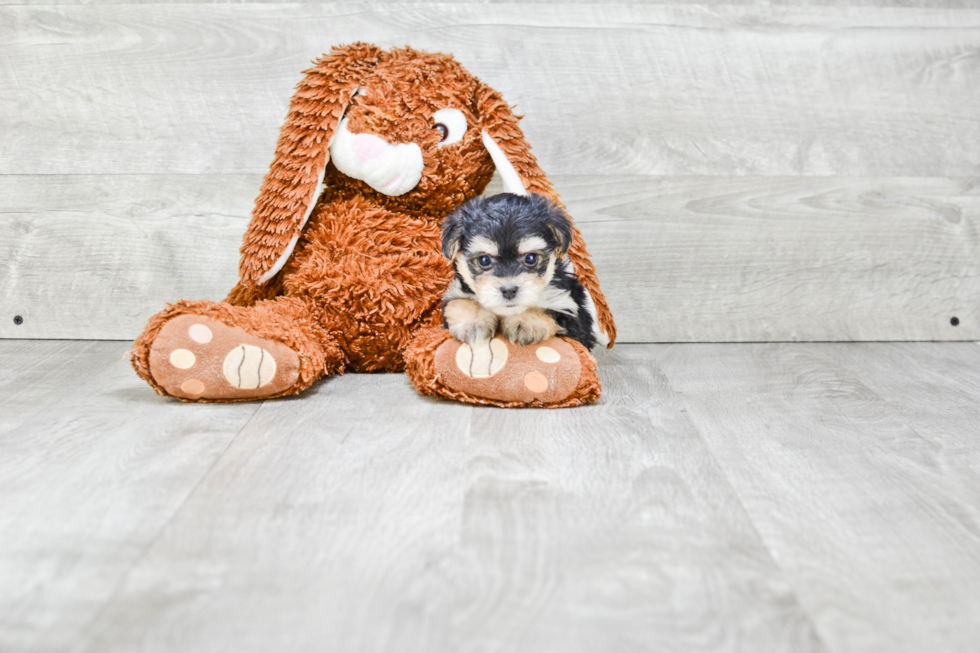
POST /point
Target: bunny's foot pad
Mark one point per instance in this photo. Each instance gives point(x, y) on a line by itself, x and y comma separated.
point(552, 373)
point(195, 357)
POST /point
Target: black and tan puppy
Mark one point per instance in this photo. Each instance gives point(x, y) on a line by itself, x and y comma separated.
point(512, 273)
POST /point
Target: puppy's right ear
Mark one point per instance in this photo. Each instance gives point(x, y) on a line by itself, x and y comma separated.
point(452, 235)
point(294, 182)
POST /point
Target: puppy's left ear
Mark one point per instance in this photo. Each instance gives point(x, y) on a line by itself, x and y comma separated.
point(560, 226)
point(520, 172)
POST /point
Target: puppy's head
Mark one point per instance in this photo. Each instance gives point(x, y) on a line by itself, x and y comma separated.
point(506, 247)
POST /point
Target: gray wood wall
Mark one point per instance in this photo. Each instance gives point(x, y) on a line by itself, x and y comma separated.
point(740, 173)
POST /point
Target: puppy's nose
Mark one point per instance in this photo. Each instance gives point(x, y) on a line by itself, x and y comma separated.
point(368, 146)
point(509, 292)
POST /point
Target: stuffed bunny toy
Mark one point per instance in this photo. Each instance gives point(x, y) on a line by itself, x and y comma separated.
point(341, 266)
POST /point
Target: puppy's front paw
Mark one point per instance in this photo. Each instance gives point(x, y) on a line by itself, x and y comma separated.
point(469, 322)
point(473, 332)
point(528, 328)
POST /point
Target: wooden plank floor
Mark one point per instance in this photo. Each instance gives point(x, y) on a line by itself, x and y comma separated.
point(739, 497)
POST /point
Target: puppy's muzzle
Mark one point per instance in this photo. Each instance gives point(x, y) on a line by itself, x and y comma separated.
point(509, 292)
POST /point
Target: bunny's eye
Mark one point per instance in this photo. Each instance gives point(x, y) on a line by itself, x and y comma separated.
point(451, 124)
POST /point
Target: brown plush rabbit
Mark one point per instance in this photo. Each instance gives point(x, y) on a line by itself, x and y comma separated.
point(341, 265)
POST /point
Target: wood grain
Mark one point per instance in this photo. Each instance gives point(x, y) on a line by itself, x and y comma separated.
point(95, 256)
point(648, 530)
point(680, 259)
point(135, 137)
point(93, 465)
point(610, 90)
point(340, 521)
point(785, 259)
point(313, 533)
point(739, 497)
point(876, 524)
point(951, 377)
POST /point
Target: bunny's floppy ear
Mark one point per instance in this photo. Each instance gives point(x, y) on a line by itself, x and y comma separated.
point(295, 179)
point(521, 174)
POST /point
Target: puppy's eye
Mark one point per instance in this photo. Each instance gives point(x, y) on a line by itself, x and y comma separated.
point(530, 259)
point(484, 261)
point(451, 124)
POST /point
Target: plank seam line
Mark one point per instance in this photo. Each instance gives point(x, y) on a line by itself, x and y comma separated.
point(785, 574)
point(156, 537)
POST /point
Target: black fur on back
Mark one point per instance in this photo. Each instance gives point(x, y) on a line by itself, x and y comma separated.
point(578, 326)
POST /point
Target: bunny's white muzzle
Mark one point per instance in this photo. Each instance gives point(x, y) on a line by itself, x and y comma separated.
point(390, 169)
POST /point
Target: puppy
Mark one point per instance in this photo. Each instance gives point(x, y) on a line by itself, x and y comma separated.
point(512, 273)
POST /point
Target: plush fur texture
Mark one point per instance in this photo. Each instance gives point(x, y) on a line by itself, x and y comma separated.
point(347, 276)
